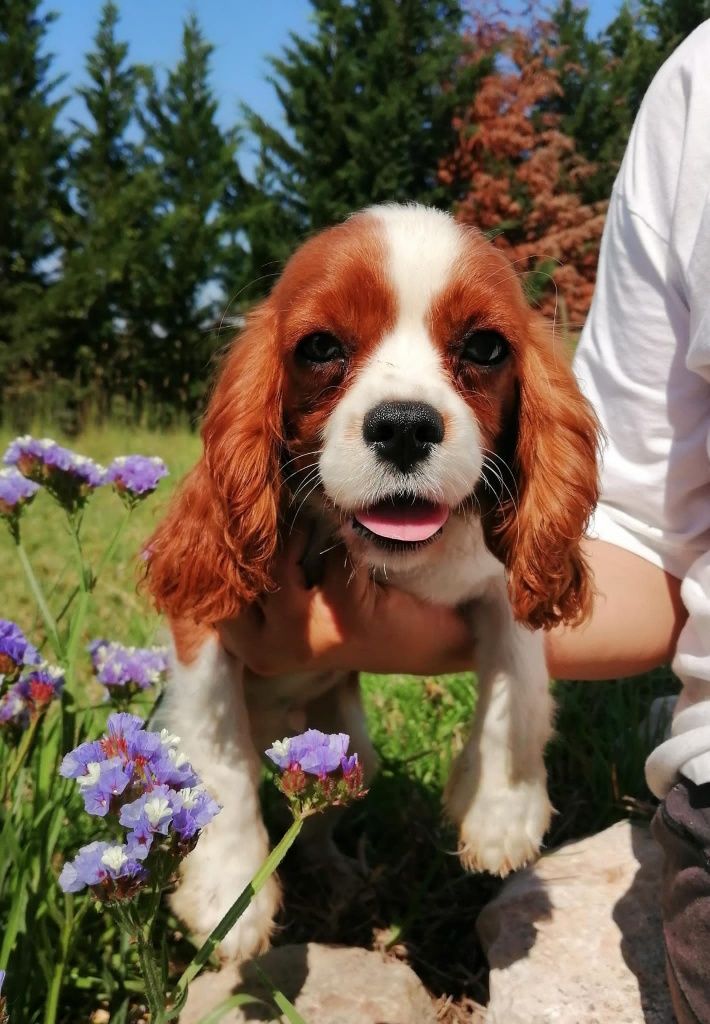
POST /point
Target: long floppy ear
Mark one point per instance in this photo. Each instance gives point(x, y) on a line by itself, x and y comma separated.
point(537, 532)
point(211, 554)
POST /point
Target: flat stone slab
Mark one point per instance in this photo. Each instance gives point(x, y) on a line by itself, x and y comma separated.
point(327, 984)
point(576, 938)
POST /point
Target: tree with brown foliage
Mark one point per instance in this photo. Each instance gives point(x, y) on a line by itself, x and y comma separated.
point(522, 175)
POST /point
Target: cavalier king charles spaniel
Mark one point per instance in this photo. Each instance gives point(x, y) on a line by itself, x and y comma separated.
point(397, 389)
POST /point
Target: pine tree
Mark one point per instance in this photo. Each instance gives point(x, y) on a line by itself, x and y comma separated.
point(603, 80)
point(103, 299)
point(368, 105)
point(32, 152)
point(197, 250)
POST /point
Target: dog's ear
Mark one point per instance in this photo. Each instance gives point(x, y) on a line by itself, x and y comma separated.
point(211, 554)
point(536, 531)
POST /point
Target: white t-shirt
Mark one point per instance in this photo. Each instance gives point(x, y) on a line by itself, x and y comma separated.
point(644, 362)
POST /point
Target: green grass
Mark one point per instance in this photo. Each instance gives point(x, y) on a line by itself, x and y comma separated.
point(415, 901)
point(118, 612)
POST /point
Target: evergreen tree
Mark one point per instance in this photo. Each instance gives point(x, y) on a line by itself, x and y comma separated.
point(670, 21)
point(197, 202)
point(368, 104)
point(603, 80)
point(103, 300)
point(32, 152)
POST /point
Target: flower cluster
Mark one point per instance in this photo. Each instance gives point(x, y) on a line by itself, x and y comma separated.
point(15, 652)
point(316, 771)
point(124, 671)
point(136, 476)
point(30, 696)
point(70, 478)
point(142, 779)
point(16, 492)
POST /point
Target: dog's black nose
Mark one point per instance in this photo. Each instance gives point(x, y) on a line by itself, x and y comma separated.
point(403, 433)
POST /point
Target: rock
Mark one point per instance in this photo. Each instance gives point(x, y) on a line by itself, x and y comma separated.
point(327, 984)
point(576, 938)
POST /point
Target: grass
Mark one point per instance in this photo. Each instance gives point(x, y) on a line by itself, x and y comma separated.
point(416, 902)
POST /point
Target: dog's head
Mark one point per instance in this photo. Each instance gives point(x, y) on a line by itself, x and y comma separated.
point(394, 378)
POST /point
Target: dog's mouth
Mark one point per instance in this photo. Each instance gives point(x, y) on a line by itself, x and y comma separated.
point(401, 522)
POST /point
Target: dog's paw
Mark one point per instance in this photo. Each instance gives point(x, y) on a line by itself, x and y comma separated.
point(502, 829)
point(203, 898)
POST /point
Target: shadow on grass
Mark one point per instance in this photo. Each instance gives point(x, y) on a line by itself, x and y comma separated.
point(415, 901)
point(596, 758)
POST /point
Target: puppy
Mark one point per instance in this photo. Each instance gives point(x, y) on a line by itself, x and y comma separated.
point(397, 390)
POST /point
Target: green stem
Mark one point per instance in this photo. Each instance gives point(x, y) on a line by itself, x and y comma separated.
point(108, 553)
point(284, 1004)
point(85, 580)
point(38, 594)
point(105, 559)
point(153, 978)
point(233, 914)
point(21, 753)
point(77, 624)
point(79, 614)
point(55, 988)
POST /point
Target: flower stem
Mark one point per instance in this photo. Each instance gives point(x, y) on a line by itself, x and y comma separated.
point(153, 978)
point(233, 914)
point(81, 608)
point(55, 988)
point(38, 594)
point(20, 754)
point(108, 553)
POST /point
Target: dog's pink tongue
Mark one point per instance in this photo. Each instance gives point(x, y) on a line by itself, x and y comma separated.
point(404, 522)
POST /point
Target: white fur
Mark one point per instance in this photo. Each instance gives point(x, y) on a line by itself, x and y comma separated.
point(497, 793)
point(423, 246)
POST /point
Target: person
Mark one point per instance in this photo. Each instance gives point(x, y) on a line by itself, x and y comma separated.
point(644, 362)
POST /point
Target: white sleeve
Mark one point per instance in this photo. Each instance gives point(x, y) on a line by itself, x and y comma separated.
point(632, 365)
point(644, 362)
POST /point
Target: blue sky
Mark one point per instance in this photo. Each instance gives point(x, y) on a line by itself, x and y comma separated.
point(243, 32)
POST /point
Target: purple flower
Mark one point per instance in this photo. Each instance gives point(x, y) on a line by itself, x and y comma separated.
point(315, 752)
point(127, 761)
point(76, 762)
point(107, 868)
point(127, 668)
point(195, 808)
point(13, 708)
point(102, 781)
point(16, 491)
point(136, 476)
point(151, 813)
point(349, 765)
point(15, 651)
point(139, 776)
point(69, 478)
point(30, 696)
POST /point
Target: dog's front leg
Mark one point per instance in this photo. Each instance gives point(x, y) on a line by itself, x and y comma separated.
point(497, 793)
point(205, 706)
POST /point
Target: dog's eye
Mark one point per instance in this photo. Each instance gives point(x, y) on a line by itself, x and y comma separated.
point(319, 347)
point(485, 348)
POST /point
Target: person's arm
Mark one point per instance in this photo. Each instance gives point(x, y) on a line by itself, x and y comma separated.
point(351, 623)
point(636, 619)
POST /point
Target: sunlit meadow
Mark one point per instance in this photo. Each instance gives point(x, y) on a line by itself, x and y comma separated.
point(69, 959)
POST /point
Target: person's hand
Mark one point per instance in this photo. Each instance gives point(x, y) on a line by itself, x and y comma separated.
point(347, 622)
